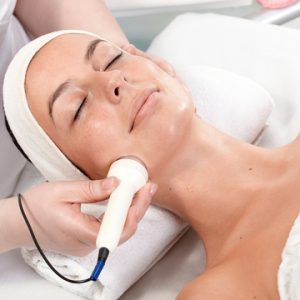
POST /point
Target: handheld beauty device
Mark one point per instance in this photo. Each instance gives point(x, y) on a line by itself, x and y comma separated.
point(133, 176)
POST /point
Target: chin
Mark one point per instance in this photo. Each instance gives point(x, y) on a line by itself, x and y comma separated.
point(164, 135)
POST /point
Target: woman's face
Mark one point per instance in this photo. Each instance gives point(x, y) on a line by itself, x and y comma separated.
point(98, 103)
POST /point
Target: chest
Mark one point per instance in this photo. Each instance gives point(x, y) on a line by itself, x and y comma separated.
point(258, 258)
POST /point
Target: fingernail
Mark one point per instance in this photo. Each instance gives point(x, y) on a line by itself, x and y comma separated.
point(109, 182)
point(153, 189)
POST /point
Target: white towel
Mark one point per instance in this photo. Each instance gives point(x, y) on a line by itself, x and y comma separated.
point(242, 113)
point(268, 54)
point(157, 232)
point(40, 149)
point(232, 103)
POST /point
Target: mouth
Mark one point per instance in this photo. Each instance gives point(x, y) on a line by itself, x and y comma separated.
point(139, 110)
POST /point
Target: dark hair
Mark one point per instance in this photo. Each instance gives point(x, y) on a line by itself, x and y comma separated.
point(22, 151)
point(14, 139)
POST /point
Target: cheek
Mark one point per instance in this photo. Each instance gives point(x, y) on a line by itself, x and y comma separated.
point(141, 70)
point(163, 134)
point(101, 143)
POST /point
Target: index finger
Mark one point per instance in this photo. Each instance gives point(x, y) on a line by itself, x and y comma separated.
point(89, 191)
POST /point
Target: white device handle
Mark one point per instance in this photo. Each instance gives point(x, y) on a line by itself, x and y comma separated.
point(133, 176)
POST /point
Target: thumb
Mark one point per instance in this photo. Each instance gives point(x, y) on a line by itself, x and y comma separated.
point(94, 190)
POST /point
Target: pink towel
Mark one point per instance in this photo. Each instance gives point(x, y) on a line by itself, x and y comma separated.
point(276, 3)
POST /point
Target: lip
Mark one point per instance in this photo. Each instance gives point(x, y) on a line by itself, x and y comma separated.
point(142, 99)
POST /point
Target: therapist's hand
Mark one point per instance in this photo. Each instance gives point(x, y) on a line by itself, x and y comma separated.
point(53, 210)
point(163, 64)
point(160, 62)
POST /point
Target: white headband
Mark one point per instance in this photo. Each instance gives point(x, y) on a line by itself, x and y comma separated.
point(33, 140)
point(232, 103)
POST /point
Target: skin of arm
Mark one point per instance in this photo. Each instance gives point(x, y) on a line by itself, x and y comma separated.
point(40, 17)
point(58, 203)
point(12, 229)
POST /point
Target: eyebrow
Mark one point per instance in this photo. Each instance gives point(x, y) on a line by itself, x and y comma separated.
point(91, 49)
point(60, 89)
point(63, 87)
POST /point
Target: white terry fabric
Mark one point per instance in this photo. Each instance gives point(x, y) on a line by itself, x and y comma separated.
point(157, 232)
point(43, 153)
point(232, 103)
point(267, 54)
point(289, 269)
point(12, 37)
point(36, 143)
point(140, 250)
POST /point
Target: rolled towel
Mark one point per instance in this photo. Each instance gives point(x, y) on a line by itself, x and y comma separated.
point(232, 103)
point(217, 93)
point(156, 234)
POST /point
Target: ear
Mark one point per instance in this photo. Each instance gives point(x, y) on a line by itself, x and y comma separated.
point(163, 64)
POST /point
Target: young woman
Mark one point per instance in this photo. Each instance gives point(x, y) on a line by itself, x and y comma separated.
point(101, 103)
point(39, 17)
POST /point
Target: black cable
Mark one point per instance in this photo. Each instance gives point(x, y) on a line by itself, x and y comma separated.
point(44, 256)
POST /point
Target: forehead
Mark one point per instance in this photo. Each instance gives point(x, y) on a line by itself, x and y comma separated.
point(57, 54)
point(66, 43)
point(59, 59)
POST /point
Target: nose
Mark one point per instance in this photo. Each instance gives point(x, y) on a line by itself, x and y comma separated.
point(111, 83)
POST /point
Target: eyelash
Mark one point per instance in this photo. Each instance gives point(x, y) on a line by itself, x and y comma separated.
point(113, 61)
point(77, 115)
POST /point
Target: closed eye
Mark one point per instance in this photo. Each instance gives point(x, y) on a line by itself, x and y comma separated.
point(78, 112)
point(113, 61)
point(77, 115)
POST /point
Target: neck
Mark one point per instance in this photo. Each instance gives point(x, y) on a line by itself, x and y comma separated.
point(213, 179)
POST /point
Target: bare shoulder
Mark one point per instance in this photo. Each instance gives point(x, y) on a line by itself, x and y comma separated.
point(207, 286)
point(218, 283)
